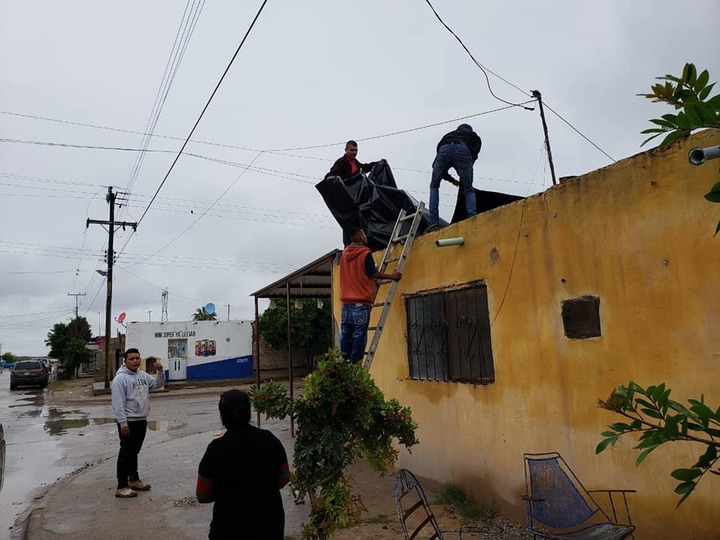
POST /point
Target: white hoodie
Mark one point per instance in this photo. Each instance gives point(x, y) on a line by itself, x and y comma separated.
point(131, 394)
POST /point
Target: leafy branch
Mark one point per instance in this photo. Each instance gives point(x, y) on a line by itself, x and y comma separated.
point(690, 94)
point(341, 416)
point(659, 420)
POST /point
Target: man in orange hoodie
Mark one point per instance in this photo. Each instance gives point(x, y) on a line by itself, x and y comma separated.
point(357, 293)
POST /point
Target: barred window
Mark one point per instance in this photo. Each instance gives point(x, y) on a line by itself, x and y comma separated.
point(449, 336)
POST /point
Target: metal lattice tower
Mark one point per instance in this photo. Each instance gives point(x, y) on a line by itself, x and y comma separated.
point(164, 314)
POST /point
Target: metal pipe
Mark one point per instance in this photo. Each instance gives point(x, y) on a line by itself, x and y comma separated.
point(256, 349)
point(290, 355)
point(698, 156)
point(459, 241)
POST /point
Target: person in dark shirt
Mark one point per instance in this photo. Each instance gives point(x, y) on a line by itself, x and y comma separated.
point(348, 166)
point(458, 149)
point(242, 472)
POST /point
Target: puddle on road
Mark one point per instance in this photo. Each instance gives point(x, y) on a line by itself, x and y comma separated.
point(34, 399)
point(166, 425)
point(56, 413)
point(60, 426)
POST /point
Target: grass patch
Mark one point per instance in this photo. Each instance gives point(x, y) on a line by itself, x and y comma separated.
point(57, 385)
point(379, 519)
point(469, 511)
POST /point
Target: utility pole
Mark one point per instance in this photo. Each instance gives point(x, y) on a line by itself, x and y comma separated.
point(76, 300)
point(536, 94)
point(111, 224)
point(149, 315)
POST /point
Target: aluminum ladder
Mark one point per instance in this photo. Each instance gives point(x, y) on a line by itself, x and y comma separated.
point(404, 233)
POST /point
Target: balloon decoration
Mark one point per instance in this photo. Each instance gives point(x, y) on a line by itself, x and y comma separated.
point(210, 308)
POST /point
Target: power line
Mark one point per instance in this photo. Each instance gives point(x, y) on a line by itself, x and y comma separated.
point(486, 70)
point(82, 146)
point(281, 151)
point(177, 53)
point(482, 68)
point(202, 113)
point(401, 132)
point(121, 130)
point(579, 133)
point(26, 248)
point(207, 209)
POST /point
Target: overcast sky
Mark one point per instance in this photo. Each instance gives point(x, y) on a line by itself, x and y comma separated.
point(312, 73)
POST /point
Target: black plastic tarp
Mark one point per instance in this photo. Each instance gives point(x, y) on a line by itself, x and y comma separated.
point(373, 203)
point(370, 202)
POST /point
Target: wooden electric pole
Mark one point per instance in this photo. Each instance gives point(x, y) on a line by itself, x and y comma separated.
point(536, 94)
point(76, 295)
point(111, 224)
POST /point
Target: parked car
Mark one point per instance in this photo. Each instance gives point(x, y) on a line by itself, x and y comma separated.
point(45, 362)
point(28, 373)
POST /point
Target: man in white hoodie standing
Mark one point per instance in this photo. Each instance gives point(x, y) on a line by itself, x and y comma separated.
point(131, 405)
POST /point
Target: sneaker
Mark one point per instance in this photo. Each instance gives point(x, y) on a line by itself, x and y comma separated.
point(432, 228)
point(125, 493)
point(138, 485)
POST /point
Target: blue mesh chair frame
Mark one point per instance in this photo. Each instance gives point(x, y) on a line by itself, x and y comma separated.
point(409, 489)
point(560, 508)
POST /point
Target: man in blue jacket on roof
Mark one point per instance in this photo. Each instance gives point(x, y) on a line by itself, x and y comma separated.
point(458, 149)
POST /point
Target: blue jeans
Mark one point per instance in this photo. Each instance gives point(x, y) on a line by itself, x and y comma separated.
point(354, 320)
point(457, 156)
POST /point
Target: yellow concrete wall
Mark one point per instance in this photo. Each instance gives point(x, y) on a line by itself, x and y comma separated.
point(637, 234)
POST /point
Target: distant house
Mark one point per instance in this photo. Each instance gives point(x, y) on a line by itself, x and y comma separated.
point(503, 345)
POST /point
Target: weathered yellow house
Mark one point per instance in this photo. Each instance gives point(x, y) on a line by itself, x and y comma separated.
point(504, 344)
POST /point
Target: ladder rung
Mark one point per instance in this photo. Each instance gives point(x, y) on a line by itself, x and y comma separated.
point(406, 240)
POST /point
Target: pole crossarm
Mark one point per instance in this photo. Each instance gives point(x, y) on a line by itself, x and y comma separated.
point(112, 226)
point(122, 224)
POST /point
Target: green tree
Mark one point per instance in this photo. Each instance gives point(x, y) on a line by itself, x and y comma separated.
point(341, 416)
point(67, 343)
point(79, 328)
point(76, 353)
point(690, 94)
point(311, 327)
point(201, 314)
point(659, 420)
point(8, 357)
point(58, 339)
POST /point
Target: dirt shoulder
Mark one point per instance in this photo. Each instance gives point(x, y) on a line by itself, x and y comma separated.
point(378, 522)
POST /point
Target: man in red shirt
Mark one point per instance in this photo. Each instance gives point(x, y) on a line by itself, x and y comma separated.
point(347, 166)
point(357, 293)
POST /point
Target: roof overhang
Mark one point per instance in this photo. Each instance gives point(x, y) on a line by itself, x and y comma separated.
point(314, 280)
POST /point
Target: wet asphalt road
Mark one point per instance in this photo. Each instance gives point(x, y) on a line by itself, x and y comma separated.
point(46, 442)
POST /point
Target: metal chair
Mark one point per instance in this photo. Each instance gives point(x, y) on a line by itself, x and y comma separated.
point(414, 510)
point(560, 508)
